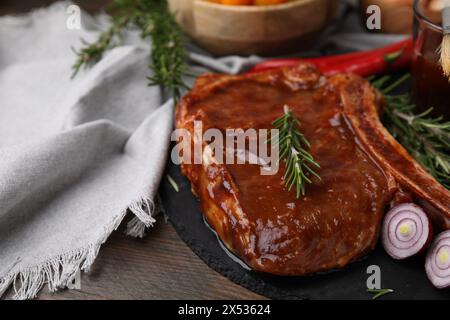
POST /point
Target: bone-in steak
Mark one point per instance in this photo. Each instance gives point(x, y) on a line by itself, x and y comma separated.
point(338, 220)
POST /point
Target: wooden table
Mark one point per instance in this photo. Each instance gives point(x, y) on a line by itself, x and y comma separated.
point(160, 266)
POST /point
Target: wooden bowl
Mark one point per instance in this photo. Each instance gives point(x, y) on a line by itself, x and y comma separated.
point(245, 30)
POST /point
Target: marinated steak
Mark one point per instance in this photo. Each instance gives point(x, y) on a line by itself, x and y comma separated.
point(338, 220)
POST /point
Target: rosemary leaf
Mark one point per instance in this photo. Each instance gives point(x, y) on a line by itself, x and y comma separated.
point(379, 293)
point(173, 183)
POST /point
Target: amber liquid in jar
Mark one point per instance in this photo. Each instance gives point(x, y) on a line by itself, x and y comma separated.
point(431, 88)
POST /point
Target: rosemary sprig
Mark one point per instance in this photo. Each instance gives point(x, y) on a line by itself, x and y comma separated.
point(379, 292)
point(294, 146)
point(92, 53)
point(168, 55)
point(427, 139)
point(153, 19)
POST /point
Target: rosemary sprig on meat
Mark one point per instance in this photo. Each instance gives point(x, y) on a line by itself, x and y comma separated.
point(426, 138)
point(153, 19)
point(300, 164)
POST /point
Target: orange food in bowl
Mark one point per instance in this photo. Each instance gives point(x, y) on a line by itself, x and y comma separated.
point(249, 2)
point(268, 2)
point(236, 2)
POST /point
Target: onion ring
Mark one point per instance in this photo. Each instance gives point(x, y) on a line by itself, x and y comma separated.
point(406, 231)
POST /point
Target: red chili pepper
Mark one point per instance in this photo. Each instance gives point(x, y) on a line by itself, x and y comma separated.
point(366, 63)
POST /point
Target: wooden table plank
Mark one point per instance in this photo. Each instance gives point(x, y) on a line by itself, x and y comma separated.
point(160, 266)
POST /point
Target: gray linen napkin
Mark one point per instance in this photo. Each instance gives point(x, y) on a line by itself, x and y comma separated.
point(76, 155)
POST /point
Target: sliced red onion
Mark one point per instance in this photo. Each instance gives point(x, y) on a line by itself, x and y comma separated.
point(407, 231)
point(437, 264)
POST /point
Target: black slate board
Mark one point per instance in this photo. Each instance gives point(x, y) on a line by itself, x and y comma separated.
point(408, 278)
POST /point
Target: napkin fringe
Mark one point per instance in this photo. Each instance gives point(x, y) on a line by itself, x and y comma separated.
point(58, 273)
point(135, 228)
point(143, 210)
point(61, 271)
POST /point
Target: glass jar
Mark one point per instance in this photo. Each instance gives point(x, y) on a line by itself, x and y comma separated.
point(430, 87)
